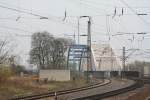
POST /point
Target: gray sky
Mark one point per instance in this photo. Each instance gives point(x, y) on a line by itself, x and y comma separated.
point(99, 10)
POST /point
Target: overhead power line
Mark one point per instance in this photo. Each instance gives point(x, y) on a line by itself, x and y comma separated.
point(21, 11)
point(148, 24)
point(111, 5)
point(38, 15)
point(91, 7)
point(123, 33)
point(134, 7)
point(16, 29)
point(97, 15)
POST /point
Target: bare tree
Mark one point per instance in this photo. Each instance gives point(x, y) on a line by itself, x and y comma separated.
point(136, 65)
point(47, 51)
point(4, 51)
point(41, 46)
point(60, 47)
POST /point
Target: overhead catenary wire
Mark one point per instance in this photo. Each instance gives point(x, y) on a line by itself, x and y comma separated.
point(27, 11)
point(13, 28)
point(122, 13)
point(144, 21)
point(36, 15)
point(48, 18)
point(94, 6)
point(111, 5)
point(97, 3)
point(42, 17)
point(75, 16)
point(26, 31)
point(31, 13)
point(91, 7)
point(99, 9)
point(129, 33)
point(21, 11)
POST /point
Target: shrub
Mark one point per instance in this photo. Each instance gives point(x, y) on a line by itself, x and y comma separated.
point(18, 69)
point(5, 73)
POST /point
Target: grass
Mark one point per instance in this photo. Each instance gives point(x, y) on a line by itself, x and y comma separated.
point(17, 86)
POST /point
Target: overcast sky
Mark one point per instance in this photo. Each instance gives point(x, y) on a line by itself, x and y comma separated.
point(18, 26)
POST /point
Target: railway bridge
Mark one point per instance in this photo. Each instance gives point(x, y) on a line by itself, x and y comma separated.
point(103, 58)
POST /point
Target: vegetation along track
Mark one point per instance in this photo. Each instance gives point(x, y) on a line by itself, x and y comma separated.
point(138, 83)
point(52, 94)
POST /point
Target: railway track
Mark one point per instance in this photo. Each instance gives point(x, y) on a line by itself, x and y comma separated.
point(62, 92)
point(138, 83)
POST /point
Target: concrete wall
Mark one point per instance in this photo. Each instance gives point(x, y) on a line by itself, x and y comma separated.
point(146, 72)
point(107, 74)
point(56, 75)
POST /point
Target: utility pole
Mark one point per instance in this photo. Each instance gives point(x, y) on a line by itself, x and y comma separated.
point(89, 55)
point(123, 61)
point(125, 57)
point(78, 30)
point(89, 61)
point(111, 72)
point(74, 37)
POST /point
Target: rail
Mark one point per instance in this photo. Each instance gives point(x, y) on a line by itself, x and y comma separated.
point(57, 93)
point(138, 83)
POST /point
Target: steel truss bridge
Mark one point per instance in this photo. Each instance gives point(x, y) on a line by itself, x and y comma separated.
point(102, 58)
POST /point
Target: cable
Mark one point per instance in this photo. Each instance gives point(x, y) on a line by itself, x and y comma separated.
point(98, 3)
point(89, 4)
point(123, 33)
point(141, 54)
point(148, 24)
point(12, 28)
point(37, 15)
point(14, 6)
point(91, 7)
point(21, 11)
point(27, 12)
point(134, 7)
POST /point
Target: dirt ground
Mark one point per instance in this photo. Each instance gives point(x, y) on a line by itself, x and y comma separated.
point(138, 94)
point(142, 94)
point(18, 86)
